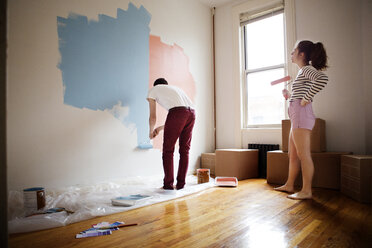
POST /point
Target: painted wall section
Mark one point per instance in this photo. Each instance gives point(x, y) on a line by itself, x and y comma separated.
point(169, 62)
point(53, 144)
point(105, 64)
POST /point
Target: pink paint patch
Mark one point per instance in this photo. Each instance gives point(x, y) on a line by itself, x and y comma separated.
point(171, 63)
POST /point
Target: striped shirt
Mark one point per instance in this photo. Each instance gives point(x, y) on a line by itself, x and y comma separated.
point(308, 82)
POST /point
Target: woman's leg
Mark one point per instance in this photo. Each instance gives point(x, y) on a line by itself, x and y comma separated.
point(294, 167)
point(301, 138)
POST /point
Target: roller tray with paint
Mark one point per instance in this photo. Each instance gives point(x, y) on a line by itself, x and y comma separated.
point(130, 200)
point(226, 181)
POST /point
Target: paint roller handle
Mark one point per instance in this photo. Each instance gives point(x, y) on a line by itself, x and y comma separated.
point(157, 131)
point(121, 225)
point(285, 79)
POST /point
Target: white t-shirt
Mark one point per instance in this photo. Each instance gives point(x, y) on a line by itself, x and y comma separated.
point(169, 96)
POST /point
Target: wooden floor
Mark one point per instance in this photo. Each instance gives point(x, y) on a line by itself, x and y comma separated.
point(251, 215)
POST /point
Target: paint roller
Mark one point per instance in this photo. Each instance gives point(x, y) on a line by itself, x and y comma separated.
point(226, 181)
point(281, 80)
point(285, 79)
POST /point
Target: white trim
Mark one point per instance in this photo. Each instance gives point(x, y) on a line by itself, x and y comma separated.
point(290, 29)
point(237, 74)
point(258, 15)
point(272, 67)
point(262, 136)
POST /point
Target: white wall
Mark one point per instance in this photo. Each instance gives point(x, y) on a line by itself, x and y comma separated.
point(338, 24)
point(51, 144)
point(225, 94)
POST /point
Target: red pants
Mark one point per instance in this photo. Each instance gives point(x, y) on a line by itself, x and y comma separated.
point(179, 124)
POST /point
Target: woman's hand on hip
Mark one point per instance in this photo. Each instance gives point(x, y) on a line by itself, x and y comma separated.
point(304, 103)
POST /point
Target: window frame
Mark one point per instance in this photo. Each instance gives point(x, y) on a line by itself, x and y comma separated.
point(266, 13)
point(267, 134)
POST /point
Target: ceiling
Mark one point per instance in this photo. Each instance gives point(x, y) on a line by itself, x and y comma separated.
point(216, 3)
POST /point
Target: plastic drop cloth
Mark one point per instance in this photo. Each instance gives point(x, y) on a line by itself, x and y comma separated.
point(88, 201)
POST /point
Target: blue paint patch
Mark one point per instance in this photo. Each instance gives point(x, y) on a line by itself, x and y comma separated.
point(106, 62)
point(144, 146)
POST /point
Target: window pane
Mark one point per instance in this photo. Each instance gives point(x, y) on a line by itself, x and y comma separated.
point(265, 102)
point(265, 42)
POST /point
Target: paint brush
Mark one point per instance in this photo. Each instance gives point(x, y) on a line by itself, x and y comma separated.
point(121, 225)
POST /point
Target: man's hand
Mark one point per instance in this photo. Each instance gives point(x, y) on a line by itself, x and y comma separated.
point(155, 132)
point(151, 135)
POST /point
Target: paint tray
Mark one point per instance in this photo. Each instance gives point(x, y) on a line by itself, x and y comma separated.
point(130, 200)
point(226, 181)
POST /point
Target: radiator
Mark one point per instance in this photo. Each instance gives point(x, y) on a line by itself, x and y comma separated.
point(262, 156)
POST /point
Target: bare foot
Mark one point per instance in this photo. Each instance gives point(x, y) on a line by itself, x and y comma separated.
point(300, 196)
point(285, 188)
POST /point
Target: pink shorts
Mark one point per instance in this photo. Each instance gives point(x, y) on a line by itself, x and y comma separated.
point(301, 117)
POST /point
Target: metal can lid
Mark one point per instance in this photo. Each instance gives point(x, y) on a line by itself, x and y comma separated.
point(34, 189)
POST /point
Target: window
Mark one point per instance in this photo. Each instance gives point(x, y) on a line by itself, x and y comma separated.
point(263, 40)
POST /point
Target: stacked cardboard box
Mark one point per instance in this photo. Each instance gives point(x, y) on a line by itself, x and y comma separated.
point(326, 169)
point(356, 177)
point(208, 161)
point(327, 165)
point(317, 139)
point(239, 163)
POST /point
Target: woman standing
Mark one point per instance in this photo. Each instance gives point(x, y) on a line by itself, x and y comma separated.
point(311, 58)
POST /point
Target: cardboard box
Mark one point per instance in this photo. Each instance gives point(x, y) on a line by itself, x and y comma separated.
point(277, 168)
point(317, 139)
point(327, 167)
point(208, 161)
point(239, 163)
point(356, 177)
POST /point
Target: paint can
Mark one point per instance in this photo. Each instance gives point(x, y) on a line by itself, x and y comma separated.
point(203, 175)
point(34, 199)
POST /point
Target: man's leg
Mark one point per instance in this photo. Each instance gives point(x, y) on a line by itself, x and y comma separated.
point(185, 143)
point(172, 129)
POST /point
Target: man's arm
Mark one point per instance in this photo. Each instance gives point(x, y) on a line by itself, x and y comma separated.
point(152, 118)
